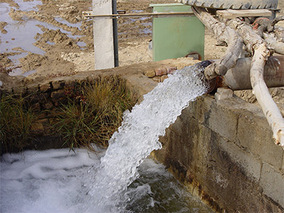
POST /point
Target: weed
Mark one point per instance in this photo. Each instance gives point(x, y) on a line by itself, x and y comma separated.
point(93, 114)
point(16, 120)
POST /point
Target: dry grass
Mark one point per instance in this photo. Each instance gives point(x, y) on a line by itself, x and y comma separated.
point(90, 115)
point(94, 114)
point(15, 123)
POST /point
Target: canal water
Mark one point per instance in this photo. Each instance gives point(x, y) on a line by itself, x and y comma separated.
point(120, 179)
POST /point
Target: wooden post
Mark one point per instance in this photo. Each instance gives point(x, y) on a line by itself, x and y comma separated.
point(103, 35)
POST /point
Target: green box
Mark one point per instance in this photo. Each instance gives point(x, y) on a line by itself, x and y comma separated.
point(176, 36)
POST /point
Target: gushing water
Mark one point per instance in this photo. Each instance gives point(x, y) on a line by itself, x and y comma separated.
point(59, 181)
point(139, 133)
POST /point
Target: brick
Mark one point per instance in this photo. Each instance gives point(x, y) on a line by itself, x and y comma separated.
point(150, 73)
point(58, 84)
point(223, 93)
point(58, 95)
point(249, 163)
point(164, 77)
point(272, 182)
point(157, 79)
point(200, 108)
point(255, 135)
point(37, 127)
point(223, 121)
point(161, 71)
point(171, 70)
point(44, 87)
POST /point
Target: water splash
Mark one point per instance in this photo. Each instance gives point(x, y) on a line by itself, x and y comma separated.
point(138, 135)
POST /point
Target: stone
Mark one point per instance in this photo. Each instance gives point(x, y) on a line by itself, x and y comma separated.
point(272, 183)
point(222, 121)
point(171, 70)
point(37, 127)
point(44, 87)
point(58, 95)
point(250, 164)
point(161, 71)
point(255, 135)
point(150, 73)
point(58, 84)
point(223, 93)
point(157, 79)
point(164, 77)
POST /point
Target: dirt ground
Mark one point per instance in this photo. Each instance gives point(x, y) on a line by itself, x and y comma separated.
point(63, 53)
point(63, 56)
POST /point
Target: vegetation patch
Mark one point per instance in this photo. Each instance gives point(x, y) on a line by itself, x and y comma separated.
point(77, 115)
point(16, 119)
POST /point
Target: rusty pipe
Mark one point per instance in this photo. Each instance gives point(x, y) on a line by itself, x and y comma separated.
point(238, 78)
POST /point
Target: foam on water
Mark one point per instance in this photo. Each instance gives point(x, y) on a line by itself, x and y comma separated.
point(61, 181)
point(138, 135)
point(44, 181)
point(54, 181)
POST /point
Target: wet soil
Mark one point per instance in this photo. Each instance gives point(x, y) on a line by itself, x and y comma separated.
point(65, 39)
point(68, 48)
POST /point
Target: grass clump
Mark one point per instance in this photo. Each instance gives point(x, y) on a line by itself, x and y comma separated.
point(88, 113)
point(94, 112)
point(16, 118)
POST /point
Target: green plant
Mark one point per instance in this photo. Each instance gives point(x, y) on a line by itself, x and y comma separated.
point(16, 118)
point(94, 112)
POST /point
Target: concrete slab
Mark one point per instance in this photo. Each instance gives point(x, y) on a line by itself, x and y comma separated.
point(273, 183)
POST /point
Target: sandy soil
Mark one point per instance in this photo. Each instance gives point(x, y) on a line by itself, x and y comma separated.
point(63, 54)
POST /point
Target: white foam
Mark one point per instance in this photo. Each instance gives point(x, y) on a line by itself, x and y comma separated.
point(61, 181)
point(46, 181)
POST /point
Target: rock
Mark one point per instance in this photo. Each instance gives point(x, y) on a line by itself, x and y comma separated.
point(44, 87)
point(37, 127)
point(223, 93)
point(157, 79)
point(163, 77)
point(161, 71)
point(58, 95)
point(150, 73)
point(58, 84)
point(171, 70)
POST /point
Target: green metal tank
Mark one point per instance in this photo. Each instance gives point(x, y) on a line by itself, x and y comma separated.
point(176, 36)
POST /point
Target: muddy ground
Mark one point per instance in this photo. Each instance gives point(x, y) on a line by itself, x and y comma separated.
point(64, 53)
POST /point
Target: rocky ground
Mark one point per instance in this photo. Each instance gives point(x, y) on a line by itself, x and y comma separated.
point(64, 53)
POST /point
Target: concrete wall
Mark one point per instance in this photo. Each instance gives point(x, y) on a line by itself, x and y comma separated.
point(224, 152)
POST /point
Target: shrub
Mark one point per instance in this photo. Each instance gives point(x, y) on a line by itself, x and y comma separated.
point(16, 118)
point(91, 113)
point(94, 112)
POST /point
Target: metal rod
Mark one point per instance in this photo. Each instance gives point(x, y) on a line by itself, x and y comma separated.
point(115, 39)
point(89, 14)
